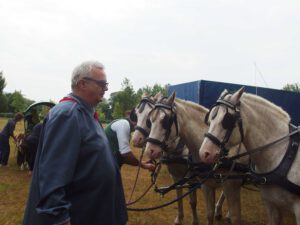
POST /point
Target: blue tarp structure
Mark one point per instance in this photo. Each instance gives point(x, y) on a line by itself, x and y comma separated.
point(206, 93)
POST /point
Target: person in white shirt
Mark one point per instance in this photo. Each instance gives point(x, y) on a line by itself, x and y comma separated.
point(118, 133)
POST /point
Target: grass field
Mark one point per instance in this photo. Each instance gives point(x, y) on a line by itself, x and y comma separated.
point(14, 186)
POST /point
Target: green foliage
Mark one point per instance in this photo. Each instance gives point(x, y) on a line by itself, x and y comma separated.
point(124, 100)
point(12, 102)
point(3, 103)
point(2, 82)
point(292, 87)
point(152, 90)
point(117, 112)
point(17, 102)
point(104, 111)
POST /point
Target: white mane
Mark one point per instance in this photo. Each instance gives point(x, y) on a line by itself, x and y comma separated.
point(192, 105)
point(266, 108)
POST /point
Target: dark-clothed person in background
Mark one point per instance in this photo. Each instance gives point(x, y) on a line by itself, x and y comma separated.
point(75, 178)
point(30, 145)
point(5, 134)
point(32, 120)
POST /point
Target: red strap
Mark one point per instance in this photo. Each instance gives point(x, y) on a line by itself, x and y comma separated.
point(68, 99)
point(96, 115)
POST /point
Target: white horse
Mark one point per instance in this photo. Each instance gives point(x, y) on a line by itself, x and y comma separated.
point(177, 171)
point(261, 122)
point(172, 116)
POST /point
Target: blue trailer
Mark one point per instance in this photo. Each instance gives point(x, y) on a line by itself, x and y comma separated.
point(206, 93)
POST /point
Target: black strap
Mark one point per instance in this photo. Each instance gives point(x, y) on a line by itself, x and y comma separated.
point(278, 176)
point(161, 105)
point(214, 139)
point(130, 124)
point(143, 102)
point(163, 145)
point(142, 130)
point(228, 104)
point(250, 152)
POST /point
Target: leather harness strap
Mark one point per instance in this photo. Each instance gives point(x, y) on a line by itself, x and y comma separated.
point(278, 176)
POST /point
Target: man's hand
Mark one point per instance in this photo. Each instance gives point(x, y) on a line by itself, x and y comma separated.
point(148, 166)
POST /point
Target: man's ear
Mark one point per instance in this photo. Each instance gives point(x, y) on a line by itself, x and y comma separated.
point(82, 84)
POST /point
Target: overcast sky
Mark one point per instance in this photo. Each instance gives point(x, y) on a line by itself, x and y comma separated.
point(148, 41)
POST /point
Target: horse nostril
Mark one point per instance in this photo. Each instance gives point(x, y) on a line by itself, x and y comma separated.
point(140, 140)
point(206, 155)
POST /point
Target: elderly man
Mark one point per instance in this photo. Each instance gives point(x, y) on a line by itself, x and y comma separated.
point(76, 179)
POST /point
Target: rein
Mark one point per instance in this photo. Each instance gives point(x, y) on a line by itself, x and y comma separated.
point(258, 149)
point(174, 200)
point(154, 176)
point(136, 178)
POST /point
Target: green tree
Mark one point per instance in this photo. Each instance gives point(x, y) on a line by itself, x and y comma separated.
point(17, 102)
point(118, 112)
point(292, 87)
point(104, 110)
point(152, 90)
point(3, 103)
point(124, 100)
point(2, 82)
point(158, 88)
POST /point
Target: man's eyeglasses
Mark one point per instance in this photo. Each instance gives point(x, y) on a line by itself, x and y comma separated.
point(100, 83)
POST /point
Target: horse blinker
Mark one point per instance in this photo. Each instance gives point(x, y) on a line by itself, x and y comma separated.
point(133, 116)
point(229, 121)
point(148, 123)
point(167, 122)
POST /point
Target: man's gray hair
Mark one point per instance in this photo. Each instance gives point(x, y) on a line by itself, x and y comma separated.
point(84, 70)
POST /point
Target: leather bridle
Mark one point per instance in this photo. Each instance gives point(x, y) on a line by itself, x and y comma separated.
point(141, 106)
point(229, 122)
point(167, 124)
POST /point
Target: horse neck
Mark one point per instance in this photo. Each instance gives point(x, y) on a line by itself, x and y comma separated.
point(262, 126)
point(191, 126)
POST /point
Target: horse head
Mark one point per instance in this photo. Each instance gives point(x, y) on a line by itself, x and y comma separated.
point(225, 127)
point(163, 123)
point(140, 115)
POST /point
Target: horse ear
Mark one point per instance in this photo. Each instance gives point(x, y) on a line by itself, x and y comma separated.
point(237, 95)
point(145, 94)
point(157, 96)
point(225, 92)
point(171, 98)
